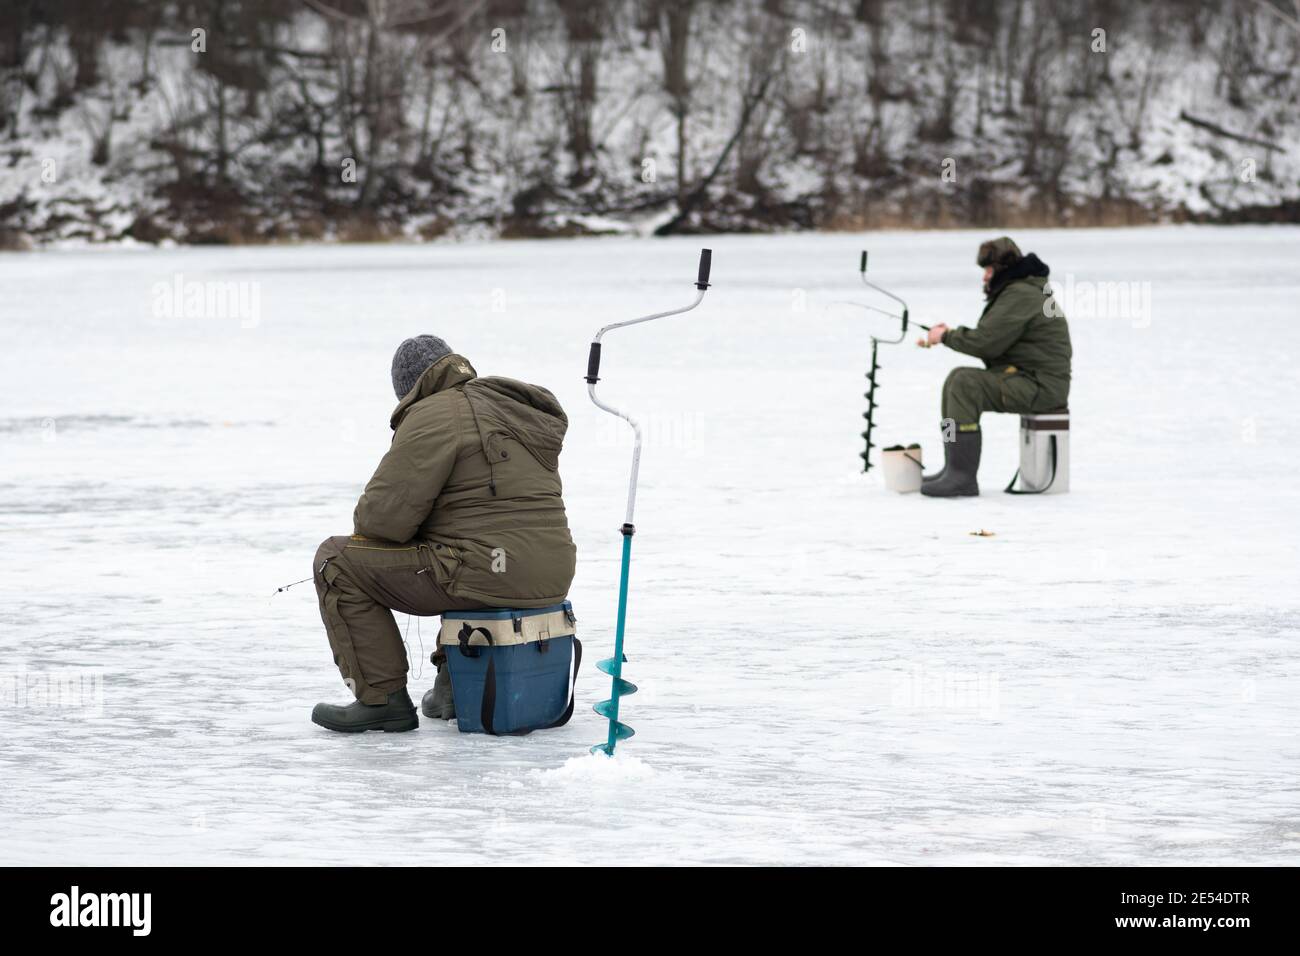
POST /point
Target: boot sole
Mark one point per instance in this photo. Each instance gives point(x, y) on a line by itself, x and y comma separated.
point(391, 725)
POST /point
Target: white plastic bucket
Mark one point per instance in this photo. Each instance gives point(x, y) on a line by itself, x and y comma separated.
point(902, 468)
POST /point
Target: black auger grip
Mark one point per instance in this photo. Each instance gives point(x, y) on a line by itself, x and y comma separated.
point(706, 261)
point(593, 364)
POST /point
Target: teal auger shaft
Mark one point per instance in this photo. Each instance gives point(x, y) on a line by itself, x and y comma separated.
point(613, 666)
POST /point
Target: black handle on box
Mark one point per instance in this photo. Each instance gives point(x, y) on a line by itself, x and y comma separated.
point(593, 364)
point(706, 260)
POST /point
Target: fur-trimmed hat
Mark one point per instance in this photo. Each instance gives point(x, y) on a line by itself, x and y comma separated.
point(998, 253)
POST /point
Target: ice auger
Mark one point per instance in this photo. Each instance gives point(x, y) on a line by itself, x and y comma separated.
point(613, 666)
point(870, 394)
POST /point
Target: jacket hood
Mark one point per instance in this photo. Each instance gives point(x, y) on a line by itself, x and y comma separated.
point(1028, 267)
point(448, 372)
point(527, 413)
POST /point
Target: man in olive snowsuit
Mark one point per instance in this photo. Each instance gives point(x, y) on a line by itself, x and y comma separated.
point(463, 512)
point(1024, 341)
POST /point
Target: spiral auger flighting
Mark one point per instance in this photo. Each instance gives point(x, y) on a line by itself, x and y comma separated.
point(609, 708)
point(870, 396)
point(613, 666)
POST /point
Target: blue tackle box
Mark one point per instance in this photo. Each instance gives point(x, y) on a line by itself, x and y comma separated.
point(513, 670)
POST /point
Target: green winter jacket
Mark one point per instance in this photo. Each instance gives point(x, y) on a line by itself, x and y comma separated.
point(1022, 327)
point(473, 475)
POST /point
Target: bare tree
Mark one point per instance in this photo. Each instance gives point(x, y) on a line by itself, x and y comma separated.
point(377, 44)
point(674, 27)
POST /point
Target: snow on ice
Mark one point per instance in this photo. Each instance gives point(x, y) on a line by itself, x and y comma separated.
point(829, 673)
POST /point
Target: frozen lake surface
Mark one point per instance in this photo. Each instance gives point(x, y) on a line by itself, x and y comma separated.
point(830, 673)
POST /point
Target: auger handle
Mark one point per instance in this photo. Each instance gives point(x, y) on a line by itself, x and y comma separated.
point(701, 283)
point(593, 368)
point(902, 334)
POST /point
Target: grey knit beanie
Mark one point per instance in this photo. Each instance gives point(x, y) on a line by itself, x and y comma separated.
point(413, 358)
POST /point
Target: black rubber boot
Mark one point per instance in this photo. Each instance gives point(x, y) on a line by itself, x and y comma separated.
point(437, 703)
point(397, 714)
point(958, 477)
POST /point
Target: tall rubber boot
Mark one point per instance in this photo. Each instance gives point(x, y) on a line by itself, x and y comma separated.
point(958, 478)
point(396, 714)
point(438, 703)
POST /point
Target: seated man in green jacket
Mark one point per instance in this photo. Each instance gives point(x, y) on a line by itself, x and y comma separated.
point(1024, 341)
point(463, 512)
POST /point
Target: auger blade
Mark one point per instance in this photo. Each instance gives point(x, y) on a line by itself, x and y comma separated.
point(607, 665)
point(609, 708)
point(621, 732)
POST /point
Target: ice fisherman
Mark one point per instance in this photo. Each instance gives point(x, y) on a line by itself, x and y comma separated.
point(1024, 341)
point(463, 512)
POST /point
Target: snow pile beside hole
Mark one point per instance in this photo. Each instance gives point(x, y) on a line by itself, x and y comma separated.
point(596, 769)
